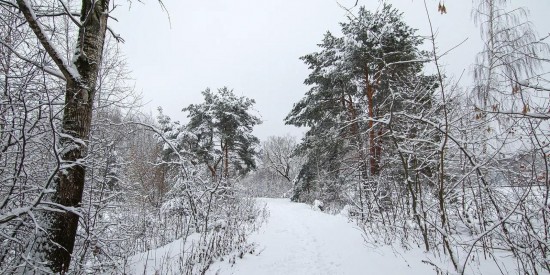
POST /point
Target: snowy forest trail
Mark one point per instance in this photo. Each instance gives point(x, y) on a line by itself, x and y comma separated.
point(299, 240)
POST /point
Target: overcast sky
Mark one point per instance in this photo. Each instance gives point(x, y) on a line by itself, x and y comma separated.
point(253, 46)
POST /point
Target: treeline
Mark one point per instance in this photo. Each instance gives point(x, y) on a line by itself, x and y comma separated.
point(86, 179)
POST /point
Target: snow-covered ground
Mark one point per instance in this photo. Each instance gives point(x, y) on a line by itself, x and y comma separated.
point(299, 240)
point(165, 259)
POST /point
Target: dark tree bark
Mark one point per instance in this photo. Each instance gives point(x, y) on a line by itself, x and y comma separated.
point(369, 91)
point(77, 117)
point(81, 78)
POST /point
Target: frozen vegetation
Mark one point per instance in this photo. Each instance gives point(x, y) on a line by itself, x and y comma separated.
point(299, 239)
point(402, 169)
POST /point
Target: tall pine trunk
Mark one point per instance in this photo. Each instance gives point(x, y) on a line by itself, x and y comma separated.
point(226, 162)
point(374, 166)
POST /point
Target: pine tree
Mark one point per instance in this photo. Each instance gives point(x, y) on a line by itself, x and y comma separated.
point(355, 79)
point(222, 126)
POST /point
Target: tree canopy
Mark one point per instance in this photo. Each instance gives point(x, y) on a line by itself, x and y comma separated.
point(356, 81)
point(223, 126)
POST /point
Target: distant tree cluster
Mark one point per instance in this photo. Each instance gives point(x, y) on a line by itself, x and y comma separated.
point(277, 169)
point(420, 159)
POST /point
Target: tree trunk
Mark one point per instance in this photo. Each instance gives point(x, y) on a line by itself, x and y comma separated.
point(77, 116)
point(212, 171)
point(226, 163)
point(372, 146)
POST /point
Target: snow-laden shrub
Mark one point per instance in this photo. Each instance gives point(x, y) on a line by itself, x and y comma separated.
point(318, 205)
point(223, 237)
point(226, 239)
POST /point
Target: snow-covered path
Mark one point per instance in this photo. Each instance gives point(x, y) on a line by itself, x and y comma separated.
point(298, 240)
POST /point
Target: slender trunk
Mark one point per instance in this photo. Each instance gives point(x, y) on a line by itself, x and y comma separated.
point(212, 171)
point(441, 194)
point(226, 162)
point(414, 195)
point(490, 72)
point(372, 135)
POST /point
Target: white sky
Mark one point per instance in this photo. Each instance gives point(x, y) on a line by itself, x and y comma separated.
point(253, 46)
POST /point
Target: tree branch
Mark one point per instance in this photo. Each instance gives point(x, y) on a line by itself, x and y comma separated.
point(8, 3)
point(50, 71)
point(520, 114)
point(70, 14)
point(68, 71)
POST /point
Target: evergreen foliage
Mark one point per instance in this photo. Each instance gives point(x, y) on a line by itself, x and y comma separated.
point(222, 126)
point(357, 81)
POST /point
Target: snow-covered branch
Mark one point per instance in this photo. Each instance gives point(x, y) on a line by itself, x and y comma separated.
point(536, 115)
point(535, 87)
point(68, 71)
point(46, 69)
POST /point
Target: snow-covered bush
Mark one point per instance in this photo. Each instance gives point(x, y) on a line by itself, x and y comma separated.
point(225, 238)
point(318, 205)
